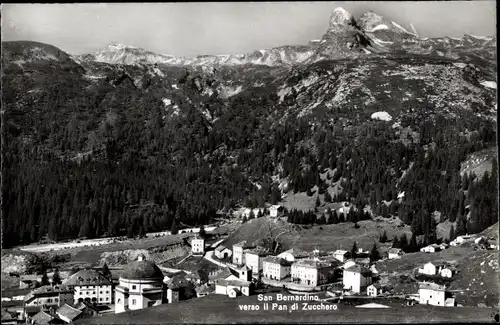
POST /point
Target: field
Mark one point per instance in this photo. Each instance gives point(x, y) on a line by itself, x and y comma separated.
point(222, 309)
point(325, 237)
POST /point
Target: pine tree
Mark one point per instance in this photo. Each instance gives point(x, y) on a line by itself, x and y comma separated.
point(56, 277)
point(105, 271)
point(354, 250)
point(374, 254)
point(403, 242)
point(328, 197)
point(45, 278)
point(202, 233)
point(383, 237)
point(173, 228)
point(412, 246)
point(395, 242)
point(451, 235)
point(318, 202)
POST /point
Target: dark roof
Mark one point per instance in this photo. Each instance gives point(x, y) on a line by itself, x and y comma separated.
point(259, 251)
point(6, 315)
point(178, 282)
point(42, 318)
point(9, 293)
point(142, 270)
point(48, 290)
point(82, 305)
point(359, 269)
point(233, 283)
point(69, 312)
point(220, 274)
point(87, 277)
point(30, 277)
point(220, 248)
point(205, 289)
point(277, 260)
point(12, 303)
point(32, 309)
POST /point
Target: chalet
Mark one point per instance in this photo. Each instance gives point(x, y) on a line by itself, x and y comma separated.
point(243, 273)
point(445, 272)
point(292, 255)
point(341, 255)
point(225, 287)
point(431, 248)
point(356, 278)
point(204, 290)
point(374, 290)
point(29, 281)
point(429, 269)
point(46, 317)
point(238, 252)
point(198, 246)
point(395, 253)
point(276, 211)
point(254, 259)
point(311, 273)
point(276, 268)
point(364, 261)
point(91, 286)
point(222, 252)
point(49, 296)
point(431, 294)
point(233, 292)
point(68, 313)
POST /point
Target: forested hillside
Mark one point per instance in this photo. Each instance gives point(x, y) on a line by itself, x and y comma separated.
point(94, 149)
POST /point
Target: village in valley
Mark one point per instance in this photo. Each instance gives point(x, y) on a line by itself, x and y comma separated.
point(349, 276)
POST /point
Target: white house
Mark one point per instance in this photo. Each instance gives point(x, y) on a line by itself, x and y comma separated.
point(222, 252)
point(141, 286)
point(395, 253)
point(243, 273)
point(446, 272)
point(224, 287)
point(374, 290)
point(276, 268)
point(431, 249)
point(429, 269)
point(50, 296)
point(198, 246)
point(464, 239)
point(431, 294)
point(254, 259)
point(91, 286)
point(443, 246)
point(311, 273)
point(348, 264)
point(356, 278)
point(276, 211)
point(341, 255)
point(292, 255)
point(238, 252)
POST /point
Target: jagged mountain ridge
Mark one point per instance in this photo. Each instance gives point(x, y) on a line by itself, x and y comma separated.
point(345, 37)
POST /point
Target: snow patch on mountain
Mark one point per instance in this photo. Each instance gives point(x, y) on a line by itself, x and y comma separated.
point(167, 102)
point(384, 116)
point(489, 84)
point(379, 27)
point(460, 65)
point(227, 91)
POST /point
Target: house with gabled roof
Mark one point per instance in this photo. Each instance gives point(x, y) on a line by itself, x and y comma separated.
point(90, 285)
point(239, 252)
point(395, 253)
point(68, 313)
point(222, 252)
point(356, 278)
point(276, 268)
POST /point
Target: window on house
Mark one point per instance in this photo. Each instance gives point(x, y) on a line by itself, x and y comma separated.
point(133, 287)
point(133, 301)
point(100, 299)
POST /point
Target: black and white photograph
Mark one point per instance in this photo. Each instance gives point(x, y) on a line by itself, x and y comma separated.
point(249, 162)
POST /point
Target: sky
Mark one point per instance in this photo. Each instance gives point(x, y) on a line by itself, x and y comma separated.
point(188, 29)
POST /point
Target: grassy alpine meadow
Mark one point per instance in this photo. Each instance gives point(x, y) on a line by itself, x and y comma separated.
point(222, 309)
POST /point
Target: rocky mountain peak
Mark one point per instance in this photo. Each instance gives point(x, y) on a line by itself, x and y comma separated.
point(341, 18)
point(371, 20)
